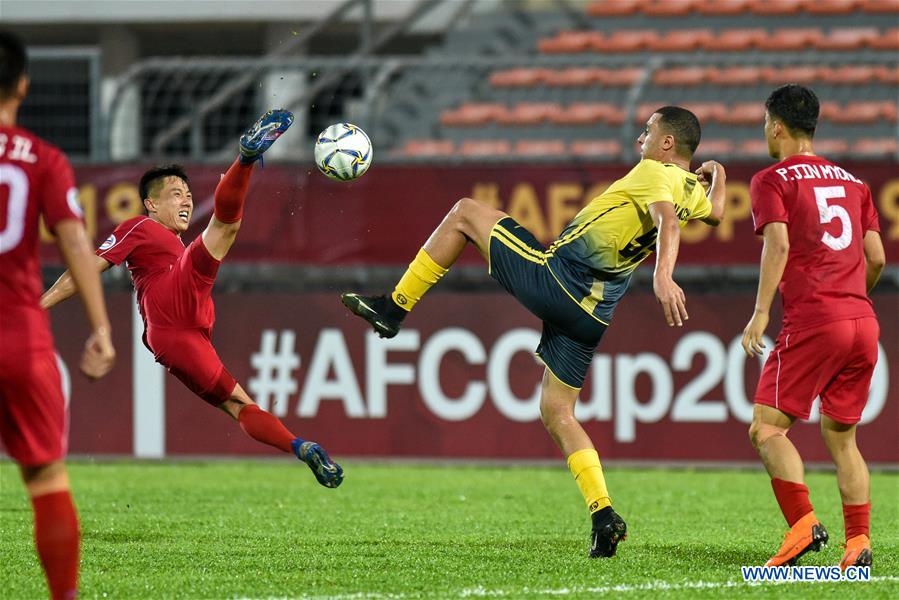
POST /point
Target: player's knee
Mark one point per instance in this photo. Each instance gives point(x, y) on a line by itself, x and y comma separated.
point(464, 211)
point(760, 432)
point(553, 414)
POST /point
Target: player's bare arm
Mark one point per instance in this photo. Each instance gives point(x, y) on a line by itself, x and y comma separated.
point(668, 293)
point(714, 179)
point(875, 259)
point(99, 354)
point(775, 251)
point(65, 287)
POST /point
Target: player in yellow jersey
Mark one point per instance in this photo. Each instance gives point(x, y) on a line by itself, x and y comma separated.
point(575, 283)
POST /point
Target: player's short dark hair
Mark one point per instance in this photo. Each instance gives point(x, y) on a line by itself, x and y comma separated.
point(152, 180)
point(684, 126)
point(796, 106)
point(13, 62)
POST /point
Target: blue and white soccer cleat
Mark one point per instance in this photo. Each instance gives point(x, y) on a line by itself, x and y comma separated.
point(263, 134)
point(326, 471)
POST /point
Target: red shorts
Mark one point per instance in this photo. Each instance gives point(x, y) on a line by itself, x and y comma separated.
point(33, 418)
point(834, 361)
point(180, 314)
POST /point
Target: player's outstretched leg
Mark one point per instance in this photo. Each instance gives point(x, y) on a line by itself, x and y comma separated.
point(263, 134)
point(768, 433)
point(468, 221)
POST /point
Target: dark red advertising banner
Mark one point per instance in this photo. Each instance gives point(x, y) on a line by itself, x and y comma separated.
point(459, 381)
point(295, 215)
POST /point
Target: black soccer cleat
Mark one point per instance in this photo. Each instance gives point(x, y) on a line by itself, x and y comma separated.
point(608, 529)
point(380, 311)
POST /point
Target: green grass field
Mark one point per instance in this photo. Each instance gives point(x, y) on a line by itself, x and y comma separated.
point(267, 530)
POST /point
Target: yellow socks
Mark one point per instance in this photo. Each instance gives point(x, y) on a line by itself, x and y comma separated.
point(584, 465)
point(422, 273)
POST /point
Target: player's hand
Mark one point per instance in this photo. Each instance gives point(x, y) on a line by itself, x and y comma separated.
point(708, 172)
point(672, 299)
point(752, 335)
point(99, 354)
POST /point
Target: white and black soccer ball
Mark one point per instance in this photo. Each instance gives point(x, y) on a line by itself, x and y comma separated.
point(343, 152)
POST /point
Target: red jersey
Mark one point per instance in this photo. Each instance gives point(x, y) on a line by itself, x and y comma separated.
point(35, 179)
point(151, 252)
point(827, 211)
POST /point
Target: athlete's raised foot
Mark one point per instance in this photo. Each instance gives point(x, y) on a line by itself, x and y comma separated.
point(805, 536)
point(608, 529)
point(326, 471)
point(380, 311)
point(263, 134)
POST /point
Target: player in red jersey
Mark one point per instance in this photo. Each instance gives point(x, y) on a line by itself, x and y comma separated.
point(174, 287)
point(822, 249)
point(36, 180)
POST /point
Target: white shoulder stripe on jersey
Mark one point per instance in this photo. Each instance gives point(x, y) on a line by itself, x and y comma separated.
point(144, 220)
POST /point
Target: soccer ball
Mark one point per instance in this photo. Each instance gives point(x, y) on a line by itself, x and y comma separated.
point(343, 152)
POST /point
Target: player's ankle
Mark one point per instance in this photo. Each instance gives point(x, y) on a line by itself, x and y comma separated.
point(394, 311)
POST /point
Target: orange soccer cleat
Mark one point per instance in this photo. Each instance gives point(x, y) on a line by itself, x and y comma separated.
point(807, 534)
point(858, 553)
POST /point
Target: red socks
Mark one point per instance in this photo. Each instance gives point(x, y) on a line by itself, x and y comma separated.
point(57, 538)
point(265, 427)
point(231, 192)
point(792, 498)
point(857, 519)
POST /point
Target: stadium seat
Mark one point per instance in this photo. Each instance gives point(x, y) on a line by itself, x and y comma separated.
point(517, 78)
point(847, 75)
point(879, 6)
point(540, 148)
point(734, 40)
point(847, 38)
point(710, 148)
point(528, 113)
point(644, 111)
point(775, 7)
point(888, 110)
point(831, 7)
point(829, 109)
point(667, 8)
point(626, 40)
point(744, 113)
point(613, 8)
point(707, 111)
point(570, 42)
point(888, 40)
point(797, 74)
point(472, 114)
point(427, 148)
point(792, 39)
point(887, 74)
point(831, 147)
point(605, 149)
point(857, 112)
point(723, 7)
point(625, 77)
point(680, 76)
point(589, 113)
point(753, 147)
point(734, 75)
point(574, 77)
point(492, 148)
point(681, 40)
point(876, 146)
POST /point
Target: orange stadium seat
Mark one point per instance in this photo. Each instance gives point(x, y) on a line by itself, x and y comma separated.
point(847, 75)
point(607, 149)
point(754, 147)
point(715, 147)
point(829, 109)
point(831, 7)
point(680, 76)
point(887, 74)
point(888, 110)
point(735, 75)
point(744, 113)
point(584, 113)
point(528, 113)
point(876, 146)
point(888, 40)
point(667, 8)
point(847, 38)
point(472, 114)
point(830, 147)
point(570, 42)
point(733, 40)
point(723, 7)
point(425, 148)
point(540, 148)
point(497, 148)
point(626, 40)
point(857, 112)
point(681, 40)
point(625, 77)
point(644, 111)
point(797, 74)
point(573, 77)
point(879, 6)
point(775, 7)
point(707, 111)
point(792, 39)
point(517, 78)
point(613, 8)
